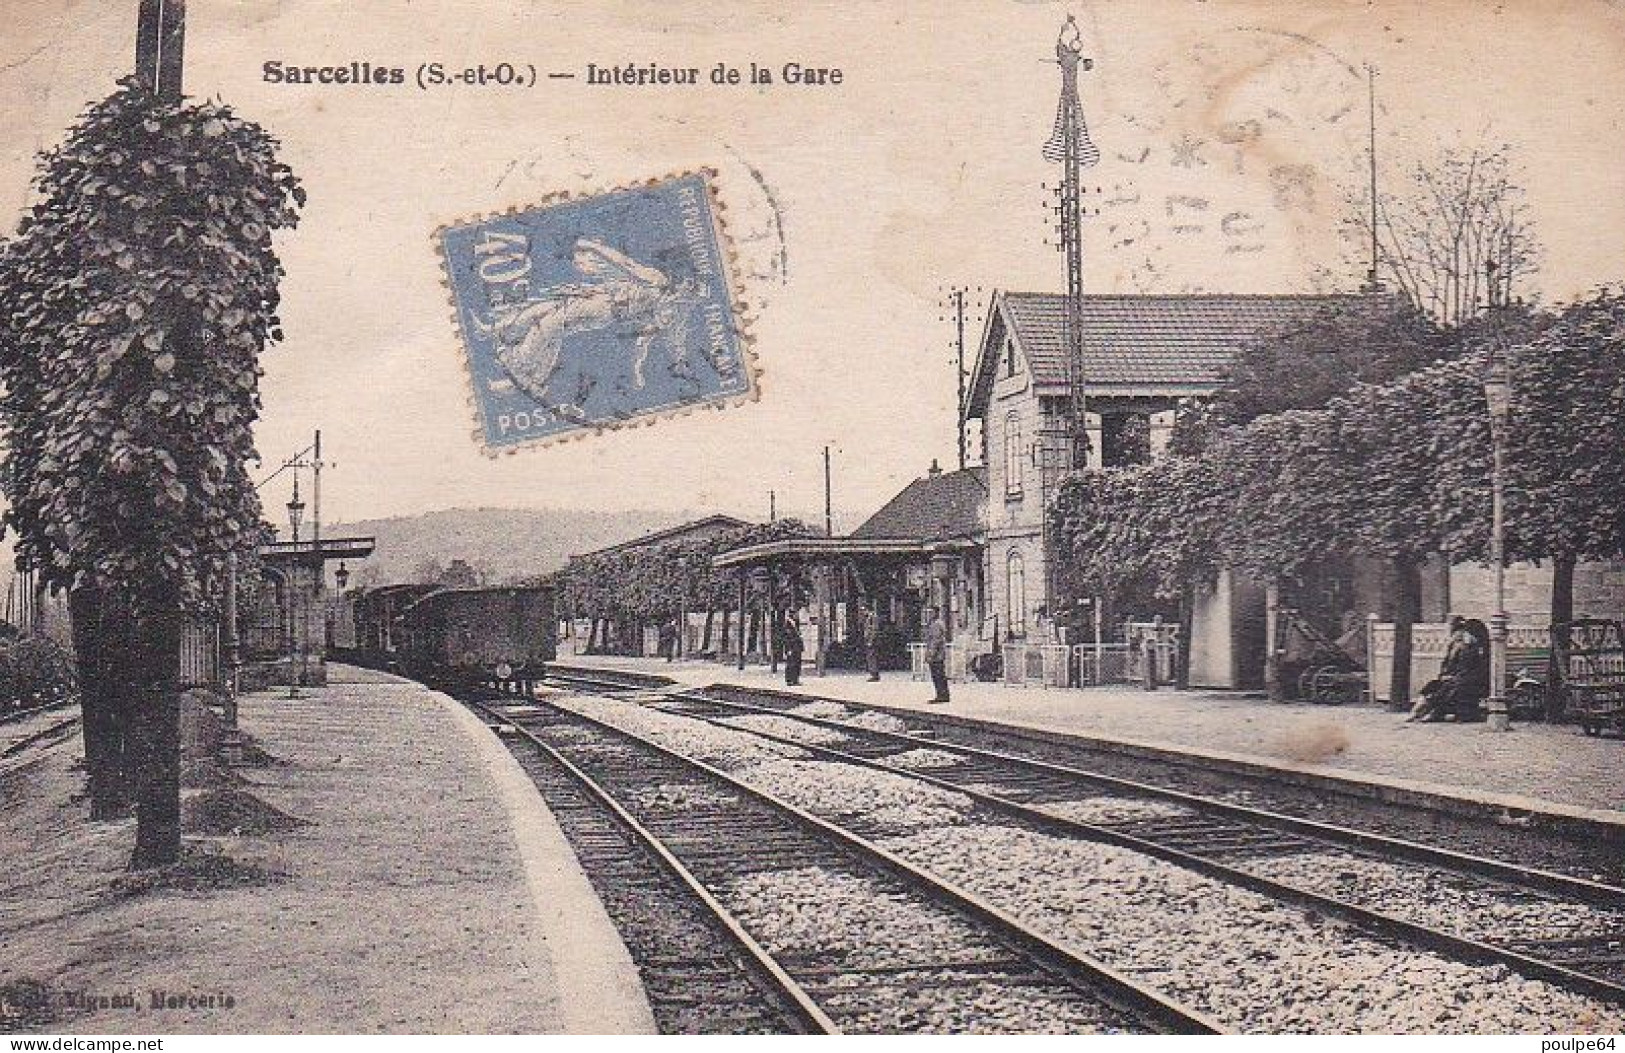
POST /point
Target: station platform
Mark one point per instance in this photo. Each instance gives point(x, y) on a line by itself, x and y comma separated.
point(1551, 775)
point(390, 870)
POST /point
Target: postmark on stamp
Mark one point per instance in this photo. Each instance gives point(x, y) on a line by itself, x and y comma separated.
point(594, 312)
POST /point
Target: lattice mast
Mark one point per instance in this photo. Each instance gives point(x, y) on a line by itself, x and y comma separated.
point(1070, 145)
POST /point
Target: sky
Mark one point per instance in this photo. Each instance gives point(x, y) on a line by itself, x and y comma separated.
point(1230, 132)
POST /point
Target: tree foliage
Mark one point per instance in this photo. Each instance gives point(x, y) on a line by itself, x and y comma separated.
point(1396, 470)
point(137, 296)
point(655, 582)
point(135, 300)
point(1373, 341)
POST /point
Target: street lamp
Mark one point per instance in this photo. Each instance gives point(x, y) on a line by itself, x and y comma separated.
point(1498, 396)
point(296, 508)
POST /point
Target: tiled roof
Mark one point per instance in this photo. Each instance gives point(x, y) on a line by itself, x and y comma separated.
point(1142, 340)
point(934, 507)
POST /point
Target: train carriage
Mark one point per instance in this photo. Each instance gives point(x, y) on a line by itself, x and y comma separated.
point(477, 634)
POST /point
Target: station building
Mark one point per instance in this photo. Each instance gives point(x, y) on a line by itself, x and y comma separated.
point(1142, 355)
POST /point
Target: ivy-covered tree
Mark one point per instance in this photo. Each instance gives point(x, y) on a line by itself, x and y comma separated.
point(1374, 340)
point(662, 581)
point(1566, 456)
point(138, 294)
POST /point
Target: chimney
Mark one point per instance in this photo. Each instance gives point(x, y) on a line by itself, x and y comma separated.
point(936, 469)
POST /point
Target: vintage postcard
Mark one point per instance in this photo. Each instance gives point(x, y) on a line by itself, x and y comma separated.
point(997, 517)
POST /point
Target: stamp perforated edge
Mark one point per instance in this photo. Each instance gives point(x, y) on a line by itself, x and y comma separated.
point(742, 317)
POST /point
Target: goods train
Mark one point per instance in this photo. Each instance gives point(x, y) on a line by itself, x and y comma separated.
point(459, 634)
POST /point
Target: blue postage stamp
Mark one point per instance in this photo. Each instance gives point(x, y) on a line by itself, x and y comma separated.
point(590, 313)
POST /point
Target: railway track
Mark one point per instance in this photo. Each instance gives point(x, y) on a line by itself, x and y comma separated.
point(702, 973)
point(1279, 856)
point(927, 956)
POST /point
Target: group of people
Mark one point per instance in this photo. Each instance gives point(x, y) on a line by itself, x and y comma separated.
point(791, 646)
point(1458, 692)
point(936, 647)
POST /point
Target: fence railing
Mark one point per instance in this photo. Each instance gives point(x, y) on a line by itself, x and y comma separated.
point(1043, 664)
point(1055, 665)
point(1104, 664)
point(959, 659)
point(200, 655)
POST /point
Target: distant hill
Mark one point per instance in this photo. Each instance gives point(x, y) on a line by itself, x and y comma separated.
point(500, 543)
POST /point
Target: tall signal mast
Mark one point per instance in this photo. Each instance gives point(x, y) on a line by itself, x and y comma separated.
point(1069, 144)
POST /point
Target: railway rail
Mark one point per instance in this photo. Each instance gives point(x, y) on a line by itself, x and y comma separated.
point(935, 957)
point(1231, 842)
point(701, 971)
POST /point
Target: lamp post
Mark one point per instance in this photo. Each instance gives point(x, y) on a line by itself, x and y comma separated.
point(1498, 396)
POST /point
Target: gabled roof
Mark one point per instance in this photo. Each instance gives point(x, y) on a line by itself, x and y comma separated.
point(934, 507)
point(1136, 343)
point(713, 524)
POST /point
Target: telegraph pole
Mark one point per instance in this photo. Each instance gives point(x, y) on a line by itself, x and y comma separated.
point(1373, 277)
point(959, 423)
point(316, 502)
point(1070, 145)
point(951, 309)
point(829, 507)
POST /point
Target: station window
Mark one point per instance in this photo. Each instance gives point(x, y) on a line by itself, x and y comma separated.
point(1015, 593)
point(1012, 454)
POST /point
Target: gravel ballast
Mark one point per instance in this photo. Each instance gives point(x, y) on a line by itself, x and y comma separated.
point(1256, 964)
point(1253, 963)
point(1431, 897)
point(812, 911)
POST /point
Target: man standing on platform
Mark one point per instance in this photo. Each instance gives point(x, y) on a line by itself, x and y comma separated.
point(791, 633)
point(871, 640)
point(936, 653)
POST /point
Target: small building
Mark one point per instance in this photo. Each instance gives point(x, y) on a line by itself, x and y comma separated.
point(923, 548)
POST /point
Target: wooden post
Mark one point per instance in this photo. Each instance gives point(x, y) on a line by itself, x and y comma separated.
point(229, 626)
point(821, 603)
point(742, 586)
point(160, 45)
point(770, 634)
point(1099, 615)
point(1371, 657)
point(1407, 601)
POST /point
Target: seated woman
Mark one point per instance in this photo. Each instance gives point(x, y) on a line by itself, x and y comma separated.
point(1475, 676)
point(1463, 679)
